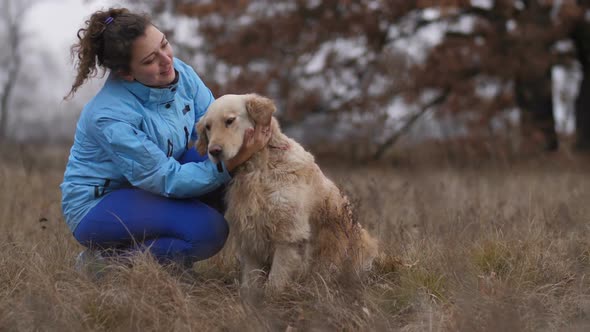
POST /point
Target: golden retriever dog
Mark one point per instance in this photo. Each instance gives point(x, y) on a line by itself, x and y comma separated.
point(286, 217)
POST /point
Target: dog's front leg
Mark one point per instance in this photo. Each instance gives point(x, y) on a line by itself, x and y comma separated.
point(252, 270)
point(288, 258)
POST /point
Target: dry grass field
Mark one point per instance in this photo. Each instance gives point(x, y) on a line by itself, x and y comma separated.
point(503, 247)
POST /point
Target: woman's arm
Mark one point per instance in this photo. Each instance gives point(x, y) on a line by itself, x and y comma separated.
point(146, 166)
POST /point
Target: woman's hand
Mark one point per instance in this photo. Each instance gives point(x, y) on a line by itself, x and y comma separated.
point(254, 140)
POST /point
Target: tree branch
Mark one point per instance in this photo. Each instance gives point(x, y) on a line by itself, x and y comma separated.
point(408, 125)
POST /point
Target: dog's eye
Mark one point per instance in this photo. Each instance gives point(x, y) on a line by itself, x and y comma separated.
point(229, 121)
point(208, 127)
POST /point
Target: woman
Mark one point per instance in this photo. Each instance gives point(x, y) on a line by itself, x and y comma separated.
point(132, 180)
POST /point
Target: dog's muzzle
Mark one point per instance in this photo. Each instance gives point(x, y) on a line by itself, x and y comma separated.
point(215, 150)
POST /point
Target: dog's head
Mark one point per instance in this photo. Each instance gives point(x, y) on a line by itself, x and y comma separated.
point(221, 130)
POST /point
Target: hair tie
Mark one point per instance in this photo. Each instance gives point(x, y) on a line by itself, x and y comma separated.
point(109, 20)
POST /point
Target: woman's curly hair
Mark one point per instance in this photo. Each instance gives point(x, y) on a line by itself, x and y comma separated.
point(106, 43)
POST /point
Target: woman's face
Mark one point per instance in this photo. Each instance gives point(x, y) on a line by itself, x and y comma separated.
point(152, 59)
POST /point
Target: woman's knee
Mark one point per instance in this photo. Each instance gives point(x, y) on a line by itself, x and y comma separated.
point(209, 236)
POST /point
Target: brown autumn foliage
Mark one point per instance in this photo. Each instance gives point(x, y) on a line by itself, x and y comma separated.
point(269, 46)
point(515, 48)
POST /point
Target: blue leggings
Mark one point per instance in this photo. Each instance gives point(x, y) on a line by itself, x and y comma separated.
point(173, 230)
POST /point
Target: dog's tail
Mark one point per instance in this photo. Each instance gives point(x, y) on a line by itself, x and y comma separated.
point(364, 247)
point(367, 250)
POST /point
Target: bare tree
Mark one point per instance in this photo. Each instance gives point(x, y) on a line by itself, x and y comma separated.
point(12, 25)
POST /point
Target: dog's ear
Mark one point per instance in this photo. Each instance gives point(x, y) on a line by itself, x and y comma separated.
point(202, 140)
point(260, 109)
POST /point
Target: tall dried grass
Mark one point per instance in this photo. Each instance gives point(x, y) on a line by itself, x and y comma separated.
point(504, 247)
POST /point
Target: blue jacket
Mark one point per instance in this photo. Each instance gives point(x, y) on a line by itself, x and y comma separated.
point(131, 135)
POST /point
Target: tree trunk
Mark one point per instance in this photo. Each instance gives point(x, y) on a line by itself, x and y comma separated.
point(5, 98)
point(583, 113)
point(581, 38)
point(14, 62)
point(535, 100)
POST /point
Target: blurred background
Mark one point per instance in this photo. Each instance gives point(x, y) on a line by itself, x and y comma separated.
point(352, 79)
point(460, 130)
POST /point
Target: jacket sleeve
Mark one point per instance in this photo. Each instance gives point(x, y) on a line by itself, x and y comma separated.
point(147, 167)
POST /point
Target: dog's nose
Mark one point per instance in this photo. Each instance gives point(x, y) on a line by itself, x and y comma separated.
point(215, 150)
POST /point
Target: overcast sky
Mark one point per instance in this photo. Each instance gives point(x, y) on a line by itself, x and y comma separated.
point(55, 22)
point(52, 26)
point(47, 70)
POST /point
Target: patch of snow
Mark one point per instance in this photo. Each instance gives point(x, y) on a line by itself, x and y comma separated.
point(185, 29)
point(431, 14)
point(259, 66)
point(488, 87)
point(415, 44)
point(343, 50)
point(245, 20)
point(464, 24)
point(224, 73)
point(311, 4)
point(485, 4)
point(399, 110)
point(317, 61)
point(511, 25)
point(556, 9)
point(504, 120)
point(378, 85)
point(270, 9)
point(416, 47)
point(393, 32)
point(565, 86)
point(564, 46)
point(215, 20)
point(429, 125)
point(374, 5)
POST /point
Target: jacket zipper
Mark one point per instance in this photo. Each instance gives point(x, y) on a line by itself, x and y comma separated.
point(170, 149)
point(97, 192)
point(186, 138)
